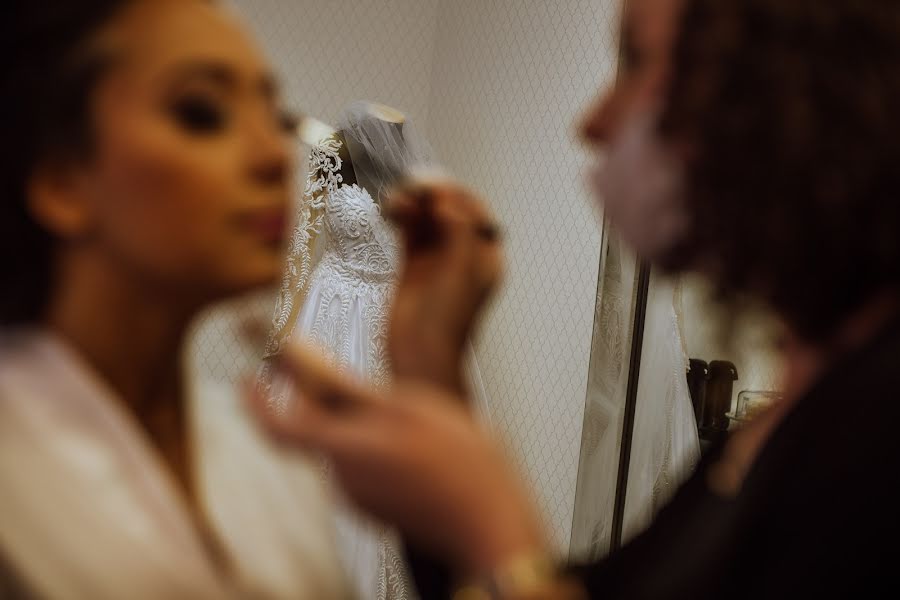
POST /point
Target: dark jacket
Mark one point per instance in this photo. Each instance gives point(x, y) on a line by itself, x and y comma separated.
point(818, 516)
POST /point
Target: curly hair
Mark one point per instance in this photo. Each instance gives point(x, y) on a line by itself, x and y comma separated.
point(45, 90)
point(791, 112)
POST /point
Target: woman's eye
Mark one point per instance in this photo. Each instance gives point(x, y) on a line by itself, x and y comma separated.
point(288, 121)
point(631, 57)
point(199, 115)
point(632, 54)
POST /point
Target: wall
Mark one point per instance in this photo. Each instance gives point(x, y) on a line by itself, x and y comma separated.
point(511, 78)
point(498, 86)
point(331, 52)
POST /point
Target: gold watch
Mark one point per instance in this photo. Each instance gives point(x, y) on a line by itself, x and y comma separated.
point(524, 576)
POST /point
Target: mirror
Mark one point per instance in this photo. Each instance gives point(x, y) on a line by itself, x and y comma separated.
point(596, 527)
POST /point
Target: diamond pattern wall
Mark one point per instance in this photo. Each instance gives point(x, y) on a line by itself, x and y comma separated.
point(332, 52)
point(498, 86)
point(511, 78)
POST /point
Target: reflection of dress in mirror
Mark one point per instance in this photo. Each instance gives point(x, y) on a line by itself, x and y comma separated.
point(666, 446)
point(338, 284)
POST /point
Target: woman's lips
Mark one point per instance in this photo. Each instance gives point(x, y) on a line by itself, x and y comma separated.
point(269, 225)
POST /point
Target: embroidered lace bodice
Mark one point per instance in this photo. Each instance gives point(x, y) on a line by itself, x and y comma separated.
point(351, 287)
point(357, 249)
point(358, 241)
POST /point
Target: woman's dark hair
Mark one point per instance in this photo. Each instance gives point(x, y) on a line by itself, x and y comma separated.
point(45, 89)
point(791, 110)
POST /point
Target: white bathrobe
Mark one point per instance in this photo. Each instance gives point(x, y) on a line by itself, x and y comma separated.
point(88, 510)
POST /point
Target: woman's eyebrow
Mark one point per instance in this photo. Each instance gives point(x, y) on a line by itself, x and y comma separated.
point(222, 75)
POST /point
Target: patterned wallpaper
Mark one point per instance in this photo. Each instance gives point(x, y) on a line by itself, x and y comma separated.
point(497, 85)
point(331, 52)
point(511, 78)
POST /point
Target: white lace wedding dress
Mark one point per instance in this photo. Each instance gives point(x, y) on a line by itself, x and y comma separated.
point(342, 268)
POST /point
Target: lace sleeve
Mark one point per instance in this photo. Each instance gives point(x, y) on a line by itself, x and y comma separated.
point(324, 178)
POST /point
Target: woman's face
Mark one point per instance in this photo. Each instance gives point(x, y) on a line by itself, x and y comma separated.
point(188, 184)
point(648, 34)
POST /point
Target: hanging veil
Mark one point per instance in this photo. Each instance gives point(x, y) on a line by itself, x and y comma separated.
point(382, 151)
point(324, 175)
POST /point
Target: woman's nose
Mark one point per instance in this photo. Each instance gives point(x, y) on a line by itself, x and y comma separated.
point(599, 122)
point(270, 155)
point(271, 170)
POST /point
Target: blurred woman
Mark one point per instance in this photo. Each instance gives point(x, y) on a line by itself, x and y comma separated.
point(754, 141)
point(145, 173)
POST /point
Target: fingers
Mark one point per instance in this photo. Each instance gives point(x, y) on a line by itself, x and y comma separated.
point(453, 262)
point(448, 233)
point(306, 426)
point(322, 397)
point(281, 427)
point(318, 382)
point(427, 213)
point(413, 214)
point(254, 330)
